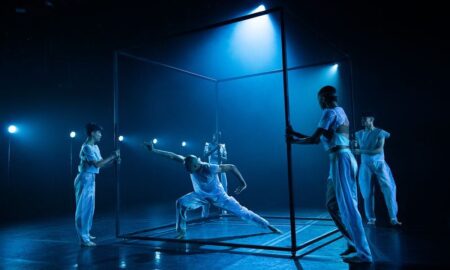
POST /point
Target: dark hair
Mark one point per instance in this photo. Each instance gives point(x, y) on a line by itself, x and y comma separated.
point(329, 93)
point(189, 160)
point(368, 114)
point(91, 127)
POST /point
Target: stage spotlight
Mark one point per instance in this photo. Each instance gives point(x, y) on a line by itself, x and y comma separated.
point(259, 9)
point(334, 67)
point(120, 138)
point(155, 141)
point(183, 144)
point(12, 129)
point(73, 134)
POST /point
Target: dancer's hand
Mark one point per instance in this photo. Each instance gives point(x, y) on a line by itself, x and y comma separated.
point(291, 138)
point(119, 160)
point(149, 146)
point(116, 154)
point(239, 189)
point(289, 130)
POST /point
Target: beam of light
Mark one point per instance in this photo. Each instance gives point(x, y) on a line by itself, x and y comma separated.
point(155, 141)
point(258, 9)
point(254, 42)
point(183, 143)
point(332, 70)
point(120, 138)
point(73, 134)
point(12, 129)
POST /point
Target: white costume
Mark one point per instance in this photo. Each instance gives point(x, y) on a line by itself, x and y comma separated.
point(209, 190)
point(85, 190)
point(217, 157)
point(375, 164)
point(342, 199)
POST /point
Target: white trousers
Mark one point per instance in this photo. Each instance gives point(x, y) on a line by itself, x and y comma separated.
point(194, 200)
point(387, 184)
point(343, 170)
point(85, 204)
point(224, 182)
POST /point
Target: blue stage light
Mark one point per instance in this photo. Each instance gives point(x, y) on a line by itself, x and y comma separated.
point(259, 9)
point(120, 138)
point(73, 134)
point(12, 129)
point(183, 144)
point(334, 67)
point(155, 141)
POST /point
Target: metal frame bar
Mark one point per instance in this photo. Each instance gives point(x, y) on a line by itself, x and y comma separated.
point(172, 224)
point(116, 132)
point(135, 236)
point(292, 218)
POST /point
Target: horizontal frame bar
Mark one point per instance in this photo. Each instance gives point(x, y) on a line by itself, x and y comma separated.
point(281, 70)
point(227, 22)
point(143, 59)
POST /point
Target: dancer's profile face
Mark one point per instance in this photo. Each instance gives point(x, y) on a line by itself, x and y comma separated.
point(97, 135)
point(367, 122)
point(322, 102)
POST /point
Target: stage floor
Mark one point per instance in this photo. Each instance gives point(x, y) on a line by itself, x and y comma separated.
point(52, 244)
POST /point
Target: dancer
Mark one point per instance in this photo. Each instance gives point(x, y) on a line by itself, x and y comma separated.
point(90, 163)
point(216, 153)
point(208, 190)
point(371, 143)
point(342, 203)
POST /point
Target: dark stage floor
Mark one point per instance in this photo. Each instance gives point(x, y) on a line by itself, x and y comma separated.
point(52, 244)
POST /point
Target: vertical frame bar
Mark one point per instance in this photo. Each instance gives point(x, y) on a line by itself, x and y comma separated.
point(71, 158)
point(288, 144)
point(116, 132)
point(216, 90)
point(9, 157)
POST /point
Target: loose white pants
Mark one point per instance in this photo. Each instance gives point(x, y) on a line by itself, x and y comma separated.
point(194, 200)
point(387, 184)
point(343, 170)
point(224, 182)
point(85, 204)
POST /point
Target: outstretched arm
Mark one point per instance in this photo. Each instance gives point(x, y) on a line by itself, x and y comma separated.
point(233, 169)
point(291, 132)
point(104, 162)
point(150, 147)
point(313, 139)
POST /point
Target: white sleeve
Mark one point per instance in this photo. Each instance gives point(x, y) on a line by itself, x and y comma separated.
point(328, 116)
point(88, 153)
point(384, 134)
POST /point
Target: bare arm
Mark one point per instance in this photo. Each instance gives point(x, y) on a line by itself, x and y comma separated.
point(150, 147)
point(313, 139)
point(290, 131)
point(233, 169)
